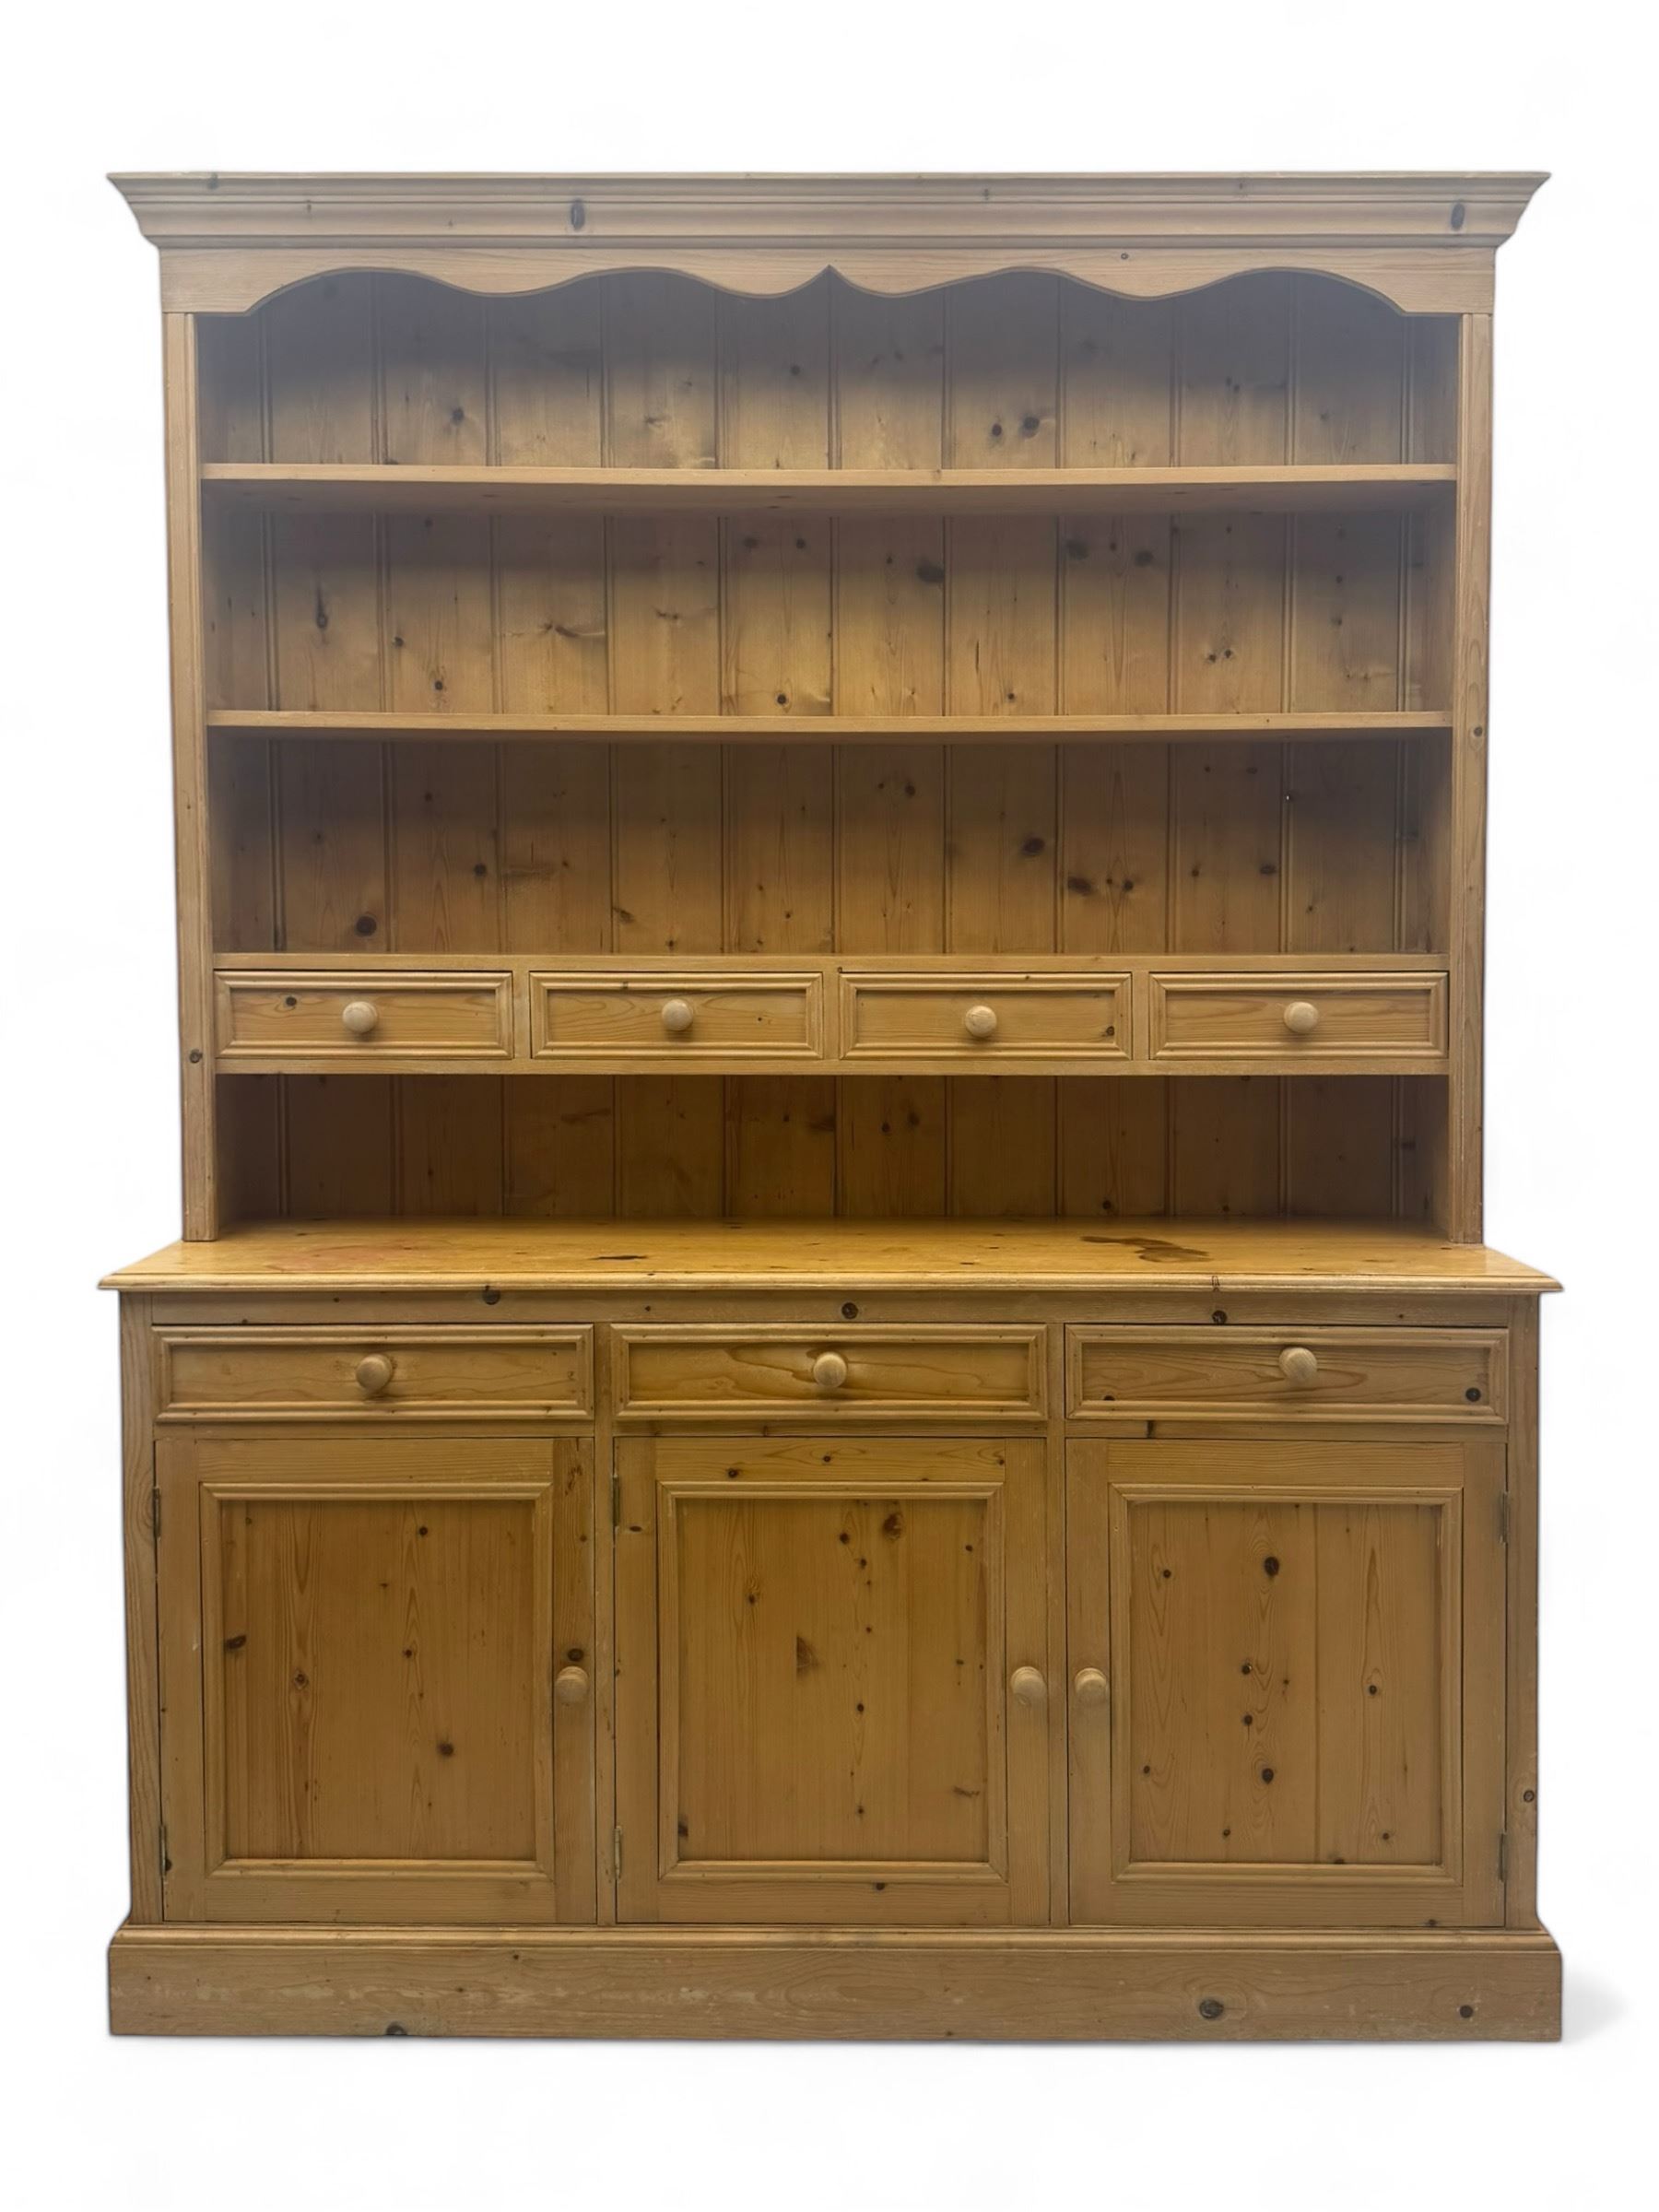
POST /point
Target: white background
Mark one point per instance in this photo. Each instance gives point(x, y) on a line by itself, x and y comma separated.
point(90, 1153)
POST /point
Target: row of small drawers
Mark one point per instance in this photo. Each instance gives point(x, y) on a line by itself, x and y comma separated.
point(720, 1372)
point(883, 1017)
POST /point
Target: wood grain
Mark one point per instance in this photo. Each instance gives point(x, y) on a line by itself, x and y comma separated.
point(924, 1254)
point(364, 1683)
point(830, 1628)
point(312, 1374)
point(998, 1986)
point(1197, 1374)
point(671, 676)
point(721, 1373)
point(1302, 1642)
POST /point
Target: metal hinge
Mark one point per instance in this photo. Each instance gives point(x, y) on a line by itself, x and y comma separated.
point(1503, 1517)
point(1503, 1855)
point(166, 1862)
point(155, 1510)
point(617, 1851)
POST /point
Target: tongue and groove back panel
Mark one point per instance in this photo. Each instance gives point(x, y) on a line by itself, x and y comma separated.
point(566, 847)
point(313, 1146)
point(900, 847)
point(657, 372)
point(891, 846)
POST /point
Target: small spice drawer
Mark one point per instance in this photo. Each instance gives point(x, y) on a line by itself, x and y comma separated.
point(1199, 1374)
point(1311, 1018)
point(273, 1015)
point(400, 1374)
point(719, 1373)
point(983, 1021)
point(698, 1017)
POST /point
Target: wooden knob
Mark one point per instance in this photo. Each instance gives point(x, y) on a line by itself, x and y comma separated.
point(829, 1370)
point(1299, 1365)
point(571, 1685)
point(1090, 1686)
point(374, 1373)
point(1301, 1019)
point(980, 1021)
point(360, 1016)
point(1028, 1687)
point(676, 1016)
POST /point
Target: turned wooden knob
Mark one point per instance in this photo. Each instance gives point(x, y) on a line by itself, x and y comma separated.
point(1301, 1019)
point(1028, 1687)
point(676, 1016)
point(571, 1685)
point(360, 1016)
point(980, 1021)
point(829, 1370)
point(1090, 1686)
point(1299, 1365)
point(375, 1372)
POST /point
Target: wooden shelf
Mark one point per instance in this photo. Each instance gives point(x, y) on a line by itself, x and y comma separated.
point(1298, 489)
point(819, 729)
point(944, 964)
point(922, 1254)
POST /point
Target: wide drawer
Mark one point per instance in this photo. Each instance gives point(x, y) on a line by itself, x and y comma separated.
point(717, 1373)
point(404, 1374)
point(1221, 1373)
point(983, 1021)
point(1311, 1018)
point(270, 1014)
point(706, 1017)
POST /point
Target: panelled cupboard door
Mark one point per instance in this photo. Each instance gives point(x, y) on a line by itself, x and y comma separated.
point(1286, 1683)
point(829, 1701)
point(376, 1669)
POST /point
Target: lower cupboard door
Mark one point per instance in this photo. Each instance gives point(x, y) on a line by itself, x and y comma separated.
point(1286, 1683)
point(830, 1704)
point(360, 1643)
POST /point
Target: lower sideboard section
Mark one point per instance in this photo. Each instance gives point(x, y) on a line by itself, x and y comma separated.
point(779, 1985)
point(987, 1665)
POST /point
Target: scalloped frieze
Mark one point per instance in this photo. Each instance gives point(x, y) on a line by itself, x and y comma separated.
point(1424, 242)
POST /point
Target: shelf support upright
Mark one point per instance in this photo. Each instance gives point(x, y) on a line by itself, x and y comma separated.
point(190, 777)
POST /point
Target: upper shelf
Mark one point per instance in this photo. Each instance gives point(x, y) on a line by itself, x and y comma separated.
point(1282, 490)
point(821, 729)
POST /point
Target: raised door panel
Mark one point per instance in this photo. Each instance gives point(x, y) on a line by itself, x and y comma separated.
point(360, 1646)
point(1286, 1683)
point(815, 1643)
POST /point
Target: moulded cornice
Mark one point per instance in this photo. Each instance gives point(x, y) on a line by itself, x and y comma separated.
point(1423, 241)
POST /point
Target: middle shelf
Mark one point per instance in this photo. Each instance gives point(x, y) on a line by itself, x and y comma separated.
point(819, 729)
point(1261, 489)
point(1382, 1014)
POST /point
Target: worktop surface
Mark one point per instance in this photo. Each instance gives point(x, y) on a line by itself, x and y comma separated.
point(921, 1254)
